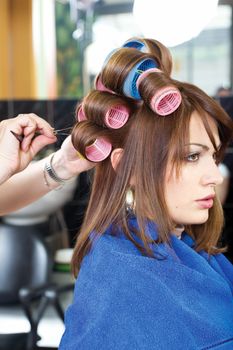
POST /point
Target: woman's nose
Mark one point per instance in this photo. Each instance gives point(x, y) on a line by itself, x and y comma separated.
point(212, 176)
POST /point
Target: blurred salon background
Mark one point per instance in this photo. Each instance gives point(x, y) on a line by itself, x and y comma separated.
point(50, 53)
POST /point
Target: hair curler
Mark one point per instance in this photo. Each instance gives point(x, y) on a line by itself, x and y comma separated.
point(98, 150)
point(80, 115)
point(116, 116)
point(135, 44)
point(130, 88)
point(146, 73)
point(100, 86)
point(166, 99)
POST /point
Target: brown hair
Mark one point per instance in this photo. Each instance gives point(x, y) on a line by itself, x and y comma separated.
point(148, 140)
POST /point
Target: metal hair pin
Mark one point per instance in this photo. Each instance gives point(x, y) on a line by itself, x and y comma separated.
point(56, 132)
point(60, 131)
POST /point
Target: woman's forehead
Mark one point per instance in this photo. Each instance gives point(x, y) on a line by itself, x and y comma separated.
point(197, 129)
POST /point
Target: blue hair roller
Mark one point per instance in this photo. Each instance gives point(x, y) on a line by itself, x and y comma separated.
point(136, 44)
point(130, 88)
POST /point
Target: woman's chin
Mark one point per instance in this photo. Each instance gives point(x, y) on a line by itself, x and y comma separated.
point(197, 219)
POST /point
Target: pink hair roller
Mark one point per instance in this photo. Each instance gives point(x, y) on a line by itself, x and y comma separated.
point(145, 73)
point(166, 100)
point(80, 114)
point(100, 86)
point(98, 150)
point(116, 117)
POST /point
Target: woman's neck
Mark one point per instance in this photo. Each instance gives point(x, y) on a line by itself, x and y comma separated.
point(177, 231)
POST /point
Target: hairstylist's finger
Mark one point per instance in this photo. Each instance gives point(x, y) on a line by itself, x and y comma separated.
point(34, 142)
point(82, 164)
point(39, 142)
point(43, 126)
point(33, 124)
point(33, 121)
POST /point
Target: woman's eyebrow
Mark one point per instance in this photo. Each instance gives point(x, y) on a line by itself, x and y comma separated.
point(202, 146)
point(198, 144)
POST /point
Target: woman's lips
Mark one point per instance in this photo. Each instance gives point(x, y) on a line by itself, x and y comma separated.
point(206, 203)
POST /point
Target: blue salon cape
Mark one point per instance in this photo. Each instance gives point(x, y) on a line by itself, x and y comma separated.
point(124, 300)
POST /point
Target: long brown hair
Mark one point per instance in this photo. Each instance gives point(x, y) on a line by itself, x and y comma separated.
point(148, 141)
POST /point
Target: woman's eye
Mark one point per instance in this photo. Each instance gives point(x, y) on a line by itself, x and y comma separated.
point(193, 157)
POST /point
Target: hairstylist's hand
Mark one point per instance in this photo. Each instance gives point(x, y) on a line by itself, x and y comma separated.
point(16, 155)
point(67, 163)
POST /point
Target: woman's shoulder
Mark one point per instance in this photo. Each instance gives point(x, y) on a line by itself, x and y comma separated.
point(114, 245)
point(109, 249)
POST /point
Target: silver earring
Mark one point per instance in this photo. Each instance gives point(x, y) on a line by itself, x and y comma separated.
point(130, 200)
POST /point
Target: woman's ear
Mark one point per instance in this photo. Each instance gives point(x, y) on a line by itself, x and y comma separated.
point(115, 157)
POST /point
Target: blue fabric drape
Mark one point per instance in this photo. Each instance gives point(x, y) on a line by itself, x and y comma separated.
point(124, 300)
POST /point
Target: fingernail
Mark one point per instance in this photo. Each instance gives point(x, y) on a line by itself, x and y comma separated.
point(80, 155)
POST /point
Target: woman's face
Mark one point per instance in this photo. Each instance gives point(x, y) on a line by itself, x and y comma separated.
point(190, 195)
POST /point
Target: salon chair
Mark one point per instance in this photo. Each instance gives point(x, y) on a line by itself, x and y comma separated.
point(25, 279)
